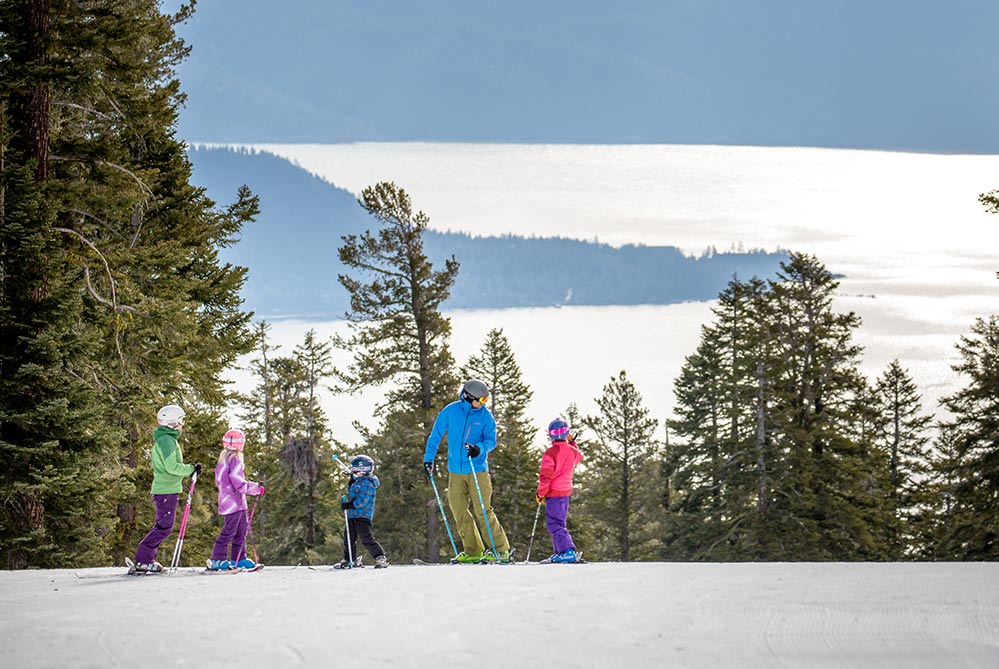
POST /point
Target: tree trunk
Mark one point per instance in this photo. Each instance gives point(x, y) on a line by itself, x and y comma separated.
point(31, 107)
point(761, 440)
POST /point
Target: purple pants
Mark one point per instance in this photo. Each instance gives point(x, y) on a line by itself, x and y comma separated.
point(166, 513)
point(556, 511)
point(233, 535)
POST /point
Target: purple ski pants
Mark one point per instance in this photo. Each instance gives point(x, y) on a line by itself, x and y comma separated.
point(556, 512)
point(233, 534)
point(166, 514)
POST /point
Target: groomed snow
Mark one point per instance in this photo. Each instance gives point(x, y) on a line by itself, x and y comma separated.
point(593, 615)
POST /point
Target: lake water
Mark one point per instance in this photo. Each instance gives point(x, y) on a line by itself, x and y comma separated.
point(917, 250)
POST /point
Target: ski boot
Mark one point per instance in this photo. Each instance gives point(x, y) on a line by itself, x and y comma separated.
point(381, 562)
point(566, 556)
point(219, 565)
point(503, 557)
point(153, 567)
point(246, 563)
point(465, 558)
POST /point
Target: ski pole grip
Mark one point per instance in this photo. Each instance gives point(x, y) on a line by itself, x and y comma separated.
point(340, 462)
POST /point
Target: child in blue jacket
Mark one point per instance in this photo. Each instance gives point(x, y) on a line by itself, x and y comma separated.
point(360, 507)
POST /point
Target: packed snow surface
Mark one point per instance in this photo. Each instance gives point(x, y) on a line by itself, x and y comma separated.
point(592, 615)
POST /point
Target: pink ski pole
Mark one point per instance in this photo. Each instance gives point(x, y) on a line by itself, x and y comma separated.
point(175, 562)
point(249, 526)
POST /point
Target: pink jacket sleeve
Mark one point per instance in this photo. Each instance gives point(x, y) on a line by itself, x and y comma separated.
point(237, 477)
point(546, 473)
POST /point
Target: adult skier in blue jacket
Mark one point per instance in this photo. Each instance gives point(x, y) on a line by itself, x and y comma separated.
point(471, 434)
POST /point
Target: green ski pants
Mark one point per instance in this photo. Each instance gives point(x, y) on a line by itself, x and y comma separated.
point(467, 511)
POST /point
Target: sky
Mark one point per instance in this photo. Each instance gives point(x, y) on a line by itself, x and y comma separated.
point(912, 75)
point(485, 616)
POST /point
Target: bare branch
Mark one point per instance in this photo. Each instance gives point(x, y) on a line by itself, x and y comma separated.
point(73, 105)
point(106, 224)
point(148, 191)
point(113, 303)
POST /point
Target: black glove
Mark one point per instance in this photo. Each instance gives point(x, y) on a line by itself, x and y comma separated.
point(344, 505)
point(428, 467)
point(197, 469)
point(473, 450)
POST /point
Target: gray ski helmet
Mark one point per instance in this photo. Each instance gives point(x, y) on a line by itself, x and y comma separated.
point(362, 465)
point(474, 390)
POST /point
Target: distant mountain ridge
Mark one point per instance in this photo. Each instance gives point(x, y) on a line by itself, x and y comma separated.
point(292, 252)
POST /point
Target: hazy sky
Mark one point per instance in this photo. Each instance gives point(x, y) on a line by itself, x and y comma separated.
point(890, 74)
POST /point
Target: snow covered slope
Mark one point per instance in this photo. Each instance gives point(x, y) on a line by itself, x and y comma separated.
point(594, 615)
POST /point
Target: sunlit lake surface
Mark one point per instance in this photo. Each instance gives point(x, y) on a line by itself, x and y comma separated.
point(917, 250)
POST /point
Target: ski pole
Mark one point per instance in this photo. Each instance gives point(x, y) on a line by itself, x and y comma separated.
point(346, 531)
point(249, 527)
point(444, 516)
point(175, 562)
point(533, 530)
point(482, 502)
point(343, 465)
point(346, 520)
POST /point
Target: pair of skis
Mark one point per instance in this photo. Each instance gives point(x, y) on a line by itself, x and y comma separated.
point(424, 563)
point(233, 570)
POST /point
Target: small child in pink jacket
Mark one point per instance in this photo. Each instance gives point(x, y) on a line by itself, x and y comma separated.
point(233, 489)
point(555, 487)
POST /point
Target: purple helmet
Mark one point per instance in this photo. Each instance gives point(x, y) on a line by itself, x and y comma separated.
point(558, 430)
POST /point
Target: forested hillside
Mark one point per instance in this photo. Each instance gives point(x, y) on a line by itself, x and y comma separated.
point(290, 251)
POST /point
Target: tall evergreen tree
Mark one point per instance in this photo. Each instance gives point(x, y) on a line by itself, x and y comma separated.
point(302, 521)
point(971, 524)
point(621, 478)
point(120, 253)
point(514, 464)
point(771, 442)
point(903, 439)
point(399, 339)
point(827, 485)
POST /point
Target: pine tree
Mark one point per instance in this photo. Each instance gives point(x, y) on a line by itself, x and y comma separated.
point(621, 479)
point(772, 443)
point(302, 522)
point(400, 339)
point(720, 469)
point(902, 437)
point(828, 485)
point(134, 309)
point(514, 464)
point(970, 530)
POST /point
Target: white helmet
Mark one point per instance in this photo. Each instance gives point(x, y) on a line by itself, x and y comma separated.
point(171, 416)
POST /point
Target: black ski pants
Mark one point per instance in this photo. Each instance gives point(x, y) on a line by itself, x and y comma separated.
point(361, 527)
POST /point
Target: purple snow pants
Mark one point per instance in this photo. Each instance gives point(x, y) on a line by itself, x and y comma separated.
point(233, 534)
point(166, 513)
point(556, 511)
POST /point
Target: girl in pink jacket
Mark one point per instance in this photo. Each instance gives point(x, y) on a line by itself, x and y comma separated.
point(233, 489)
point(555, 487)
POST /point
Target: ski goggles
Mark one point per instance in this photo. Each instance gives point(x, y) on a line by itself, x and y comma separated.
point(480, 400)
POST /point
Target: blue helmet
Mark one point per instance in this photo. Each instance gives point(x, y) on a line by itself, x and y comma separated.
point(558, 429)
point(362, 465)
